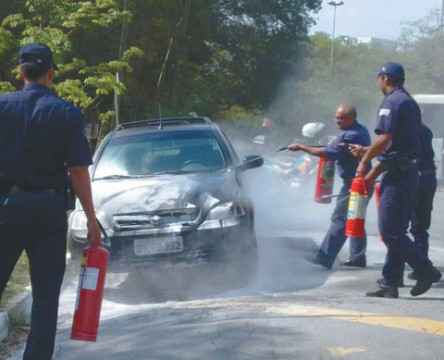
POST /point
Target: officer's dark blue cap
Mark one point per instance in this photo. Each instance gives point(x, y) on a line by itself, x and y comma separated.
point(392, 69)
point(37, 53)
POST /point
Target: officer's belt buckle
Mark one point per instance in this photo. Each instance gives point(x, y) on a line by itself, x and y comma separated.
point(14, 190)
point(427, 172)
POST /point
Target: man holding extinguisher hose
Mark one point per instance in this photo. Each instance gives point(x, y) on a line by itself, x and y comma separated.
point(42, 140)
point(397, 146)
point(337, 150)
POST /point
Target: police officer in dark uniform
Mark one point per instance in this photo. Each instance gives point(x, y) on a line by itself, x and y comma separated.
point(422, 215)
point(337, 149)
point(397, 146)
point(41, 140)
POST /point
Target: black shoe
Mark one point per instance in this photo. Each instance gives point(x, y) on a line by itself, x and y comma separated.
point(400, 284)
point(353, 263)
point(384, 292)
point(316, 259)
point(426, 278)
point(412, 275)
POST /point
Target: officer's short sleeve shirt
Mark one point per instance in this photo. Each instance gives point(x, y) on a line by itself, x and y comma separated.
point(40, 136)
point(399, 115)
point(427, 159)
point(337, 149)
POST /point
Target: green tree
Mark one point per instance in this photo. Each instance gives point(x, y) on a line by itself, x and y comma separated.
point(422, 51)
point(315, 93)
point(81, 35)
point(207, 56)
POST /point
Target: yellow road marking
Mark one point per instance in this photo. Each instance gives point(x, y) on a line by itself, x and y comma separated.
point(421, 325)
point(342, 351)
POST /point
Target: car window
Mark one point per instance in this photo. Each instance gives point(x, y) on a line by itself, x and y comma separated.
point(146, 154)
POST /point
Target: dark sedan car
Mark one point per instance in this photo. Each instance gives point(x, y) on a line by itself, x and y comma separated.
point(170, 190)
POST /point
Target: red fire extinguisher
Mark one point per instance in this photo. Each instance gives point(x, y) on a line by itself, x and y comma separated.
point(89, 293)
point(357, 207)
point(377, 197)
point(324, 181)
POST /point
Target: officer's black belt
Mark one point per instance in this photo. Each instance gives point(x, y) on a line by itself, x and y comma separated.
point(399, 164)
point(427, 172)
point(17, 190)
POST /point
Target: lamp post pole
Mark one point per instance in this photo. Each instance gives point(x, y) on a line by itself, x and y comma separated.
point(442, 13)
point(335, 5)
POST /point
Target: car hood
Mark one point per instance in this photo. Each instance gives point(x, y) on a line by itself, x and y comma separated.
point(164, 192)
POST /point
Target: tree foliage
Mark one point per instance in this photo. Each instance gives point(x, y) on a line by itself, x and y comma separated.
point(174, 57)
point(206, 56)
point(422, 49)
point(72, 29)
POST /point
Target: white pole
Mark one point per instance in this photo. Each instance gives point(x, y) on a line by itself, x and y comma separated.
point(335, 5)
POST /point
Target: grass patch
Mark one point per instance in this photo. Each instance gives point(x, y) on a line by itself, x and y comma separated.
point(19, 279)
point(17, 321)
point(18, 331)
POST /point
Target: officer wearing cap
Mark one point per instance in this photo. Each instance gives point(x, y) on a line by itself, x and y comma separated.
point(337, 149)
point(397, 146)
point(41, 141)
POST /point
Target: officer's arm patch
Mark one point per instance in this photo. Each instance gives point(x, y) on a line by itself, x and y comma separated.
point(384, 112)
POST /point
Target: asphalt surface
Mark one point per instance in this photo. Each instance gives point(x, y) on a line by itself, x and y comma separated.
point(293, 310)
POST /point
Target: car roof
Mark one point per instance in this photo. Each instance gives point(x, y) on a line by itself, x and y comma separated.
point(164, 124)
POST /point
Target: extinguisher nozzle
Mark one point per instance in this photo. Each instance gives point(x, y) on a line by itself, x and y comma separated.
point(282, 149)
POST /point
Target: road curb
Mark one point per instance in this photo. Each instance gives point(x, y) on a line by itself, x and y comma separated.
point(4, 325)
point(20, 307)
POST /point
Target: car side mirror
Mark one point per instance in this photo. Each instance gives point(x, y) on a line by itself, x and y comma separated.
point(251, 162)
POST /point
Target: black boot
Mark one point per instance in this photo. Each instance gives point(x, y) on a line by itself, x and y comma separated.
point(412, 275)
point(384, 292)
point(400, 284)
point(426, 278)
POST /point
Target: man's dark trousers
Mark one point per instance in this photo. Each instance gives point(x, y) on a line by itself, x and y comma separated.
point(36, 222)
point(422, 214)
point(397, 201)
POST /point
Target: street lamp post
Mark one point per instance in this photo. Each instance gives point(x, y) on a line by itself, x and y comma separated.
point(442, 13)
point(335, 4)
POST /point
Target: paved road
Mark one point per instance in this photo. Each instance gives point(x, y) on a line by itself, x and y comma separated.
point(294, 310)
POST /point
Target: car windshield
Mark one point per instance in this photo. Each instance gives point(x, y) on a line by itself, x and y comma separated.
point(160, 152)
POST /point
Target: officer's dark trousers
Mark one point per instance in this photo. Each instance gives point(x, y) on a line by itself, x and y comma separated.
point(335, 238)
point(397, 202)
point(422, 214)
point(36, 223)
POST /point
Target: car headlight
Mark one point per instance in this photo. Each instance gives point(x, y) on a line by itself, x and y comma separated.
point(78, 224)
point(226, 210)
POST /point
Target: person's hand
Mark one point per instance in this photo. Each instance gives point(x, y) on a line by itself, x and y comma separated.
point(294, 147)
point(94, 236)
point(360, 170)
point(356, 150)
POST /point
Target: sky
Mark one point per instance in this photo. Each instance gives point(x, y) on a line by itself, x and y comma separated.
point(372, 18)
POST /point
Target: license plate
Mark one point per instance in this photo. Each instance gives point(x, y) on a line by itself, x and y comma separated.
point(159, 245)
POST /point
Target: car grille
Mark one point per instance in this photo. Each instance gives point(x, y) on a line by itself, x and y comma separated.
point(156, 219)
